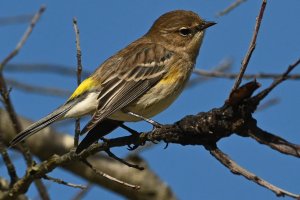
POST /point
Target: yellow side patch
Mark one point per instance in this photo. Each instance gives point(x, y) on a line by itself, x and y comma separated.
point(83, 87)
point(171, 77)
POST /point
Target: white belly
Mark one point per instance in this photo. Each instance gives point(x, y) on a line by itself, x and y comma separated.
point(150, 104)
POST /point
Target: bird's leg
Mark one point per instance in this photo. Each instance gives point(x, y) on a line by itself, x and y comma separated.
point(134, 133)
point(150, 121)
point(130, 130)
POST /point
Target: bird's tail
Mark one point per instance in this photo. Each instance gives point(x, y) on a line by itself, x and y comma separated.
point(42, 123)
point(101, 129)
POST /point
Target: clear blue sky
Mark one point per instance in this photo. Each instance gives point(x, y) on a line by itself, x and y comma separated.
point(106, 27)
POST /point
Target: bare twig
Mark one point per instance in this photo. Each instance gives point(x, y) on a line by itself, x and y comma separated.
point(46, 68)
point(224, 66)
point(8, 163)
point(79, 63)
point(38, 89)
point(251, 47)
point(220, 74)
point(24, 38)
point(230, 7)
point(136, 187)
point(8, 104)
point(42, 189)
point(217, 72)
point(109, 153)
point(238, 170)
point(79, 70)
point(63, 143)
point(82, 193)
point(206, 128)
point(267, 104)
point(60, 181)
point(275, 142)
point(277, 81)
point(19, 19)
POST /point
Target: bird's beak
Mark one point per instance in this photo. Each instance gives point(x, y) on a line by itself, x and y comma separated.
point(205, 25)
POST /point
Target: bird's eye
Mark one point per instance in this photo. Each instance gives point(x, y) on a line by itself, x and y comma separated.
point(185, 31)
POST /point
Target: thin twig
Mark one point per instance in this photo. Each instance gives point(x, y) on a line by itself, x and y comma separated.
point(220, 74)
point(276, 82)
point(275, 142)
point(45, 68)
point(8, 104)
point(136, 187)
point(267, 104)
point(110, 154)
point(19, 19)
point(78, 54)
point(8, 163)
point(60, 181)
point(24, 38)
point(238, 170)
point(251, 47)
point(224, 66)
point(230, 8)
point(205, 128)
point(79, 70)
point(38, 89)
point(82, 193)
point(179, 133)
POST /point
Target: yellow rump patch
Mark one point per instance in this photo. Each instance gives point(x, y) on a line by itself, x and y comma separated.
point(83, 87)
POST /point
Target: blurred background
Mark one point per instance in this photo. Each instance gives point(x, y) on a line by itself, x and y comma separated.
point(107, 26)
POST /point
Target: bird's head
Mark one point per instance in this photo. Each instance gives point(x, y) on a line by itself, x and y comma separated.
point(180, 29)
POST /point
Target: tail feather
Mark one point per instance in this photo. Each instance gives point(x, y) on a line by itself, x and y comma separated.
point(42, 123)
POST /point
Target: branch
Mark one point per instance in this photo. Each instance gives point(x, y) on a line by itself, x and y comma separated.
point(62, 143)
point(267, 104)
point(220, 74)
point(8, 104)
point(238, 170)
point(56, 69)
point(4, 186)
point(224, 66)
point(38, 89)
point(19, 19)
point(82, 193)
point(99, 173)
point(79, 70)
point(201, 129)
point(260, 96)
point(275, 142)
point(60, 181)
point(205, 128)
point(8, 163)
point(34, 20)
point(251, 47)
point(230, 8)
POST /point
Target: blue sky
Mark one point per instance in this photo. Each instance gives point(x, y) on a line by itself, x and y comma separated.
point(106, 27)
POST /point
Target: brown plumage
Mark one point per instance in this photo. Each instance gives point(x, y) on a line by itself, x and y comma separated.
point(144, 78)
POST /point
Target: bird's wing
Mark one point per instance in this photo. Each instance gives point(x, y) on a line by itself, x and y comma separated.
point(133, 75)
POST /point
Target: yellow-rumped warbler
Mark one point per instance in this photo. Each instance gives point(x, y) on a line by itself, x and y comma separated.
point(144, 78)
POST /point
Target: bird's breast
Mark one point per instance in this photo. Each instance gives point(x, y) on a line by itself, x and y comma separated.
point(156, 99)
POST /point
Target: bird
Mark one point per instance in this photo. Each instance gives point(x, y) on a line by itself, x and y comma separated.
point(136, 83)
